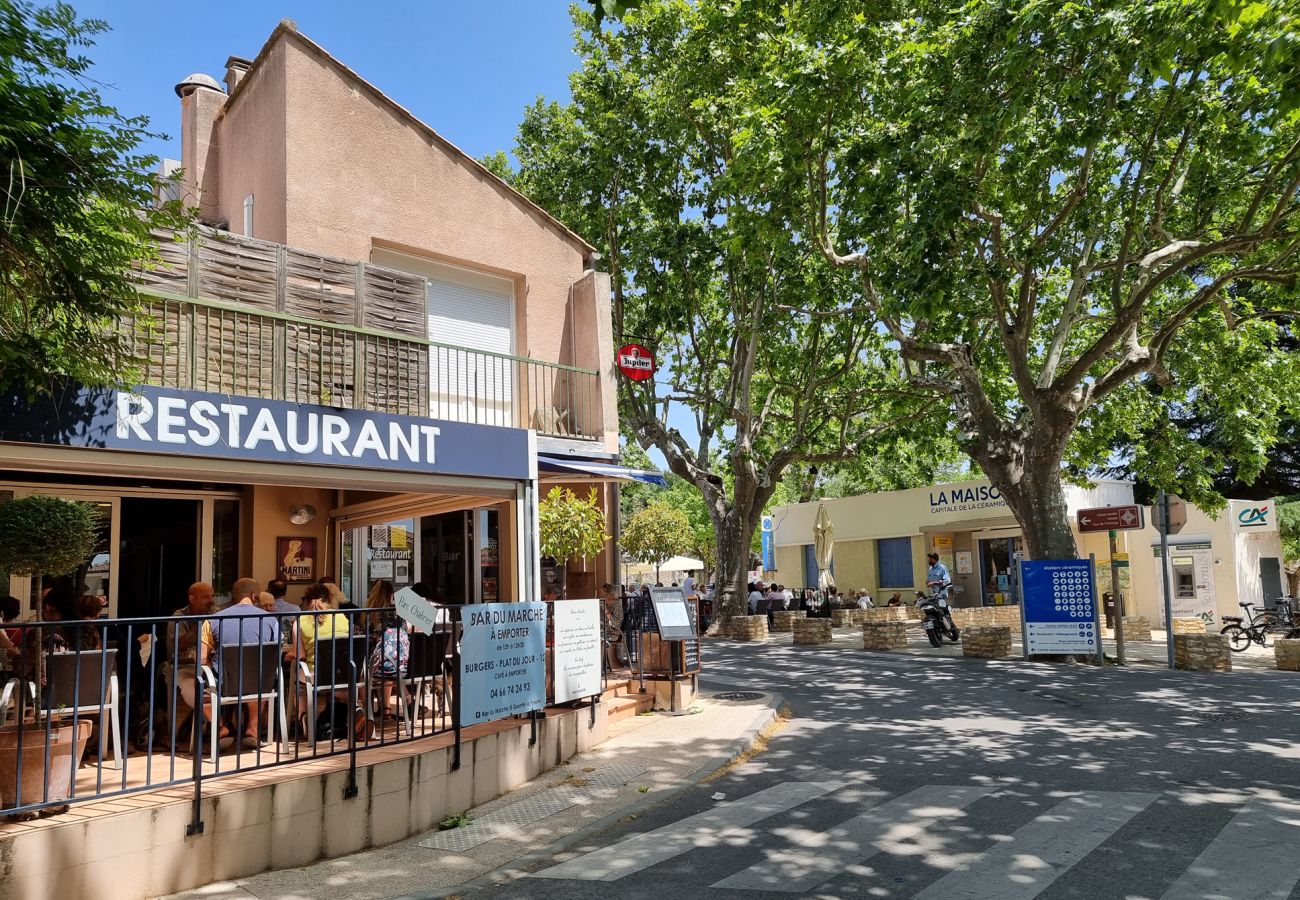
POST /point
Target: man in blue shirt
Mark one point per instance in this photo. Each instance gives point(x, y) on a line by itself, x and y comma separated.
point(240, 624)
point(937, 576)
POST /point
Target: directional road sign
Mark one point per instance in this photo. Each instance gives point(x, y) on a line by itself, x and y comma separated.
point(1111, 518)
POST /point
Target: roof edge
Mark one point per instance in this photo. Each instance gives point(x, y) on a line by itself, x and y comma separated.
point(286, 29)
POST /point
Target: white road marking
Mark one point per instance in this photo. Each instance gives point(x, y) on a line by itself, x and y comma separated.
point(706, 829)
point(1038, 853)
point(1253, 856)
point(823, 857)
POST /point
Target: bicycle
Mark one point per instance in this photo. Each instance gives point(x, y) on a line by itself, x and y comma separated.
point(1279, 620)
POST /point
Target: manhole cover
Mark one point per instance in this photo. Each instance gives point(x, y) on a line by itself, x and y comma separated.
point(739, 695)
point(1221, 716)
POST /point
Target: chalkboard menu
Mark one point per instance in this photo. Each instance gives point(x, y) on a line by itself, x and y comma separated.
point(691, 648)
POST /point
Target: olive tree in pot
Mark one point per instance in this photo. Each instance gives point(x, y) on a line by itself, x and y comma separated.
point(42, 535)
point(571, 527)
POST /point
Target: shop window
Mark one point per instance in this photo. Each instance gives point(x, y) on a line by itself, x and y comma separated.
point(391, 553)
point(894, 562)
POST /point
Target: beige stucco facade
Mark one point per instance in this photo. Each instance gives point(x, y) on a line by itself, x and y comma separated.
point(1216, 561)
point(336, 167)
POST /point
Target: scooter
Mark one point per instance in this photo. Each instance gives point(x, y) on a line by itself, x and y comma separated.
point(938, 621)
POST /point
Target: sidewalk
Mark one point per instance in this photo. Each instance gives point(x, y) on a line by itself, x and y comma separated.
point(645, 759)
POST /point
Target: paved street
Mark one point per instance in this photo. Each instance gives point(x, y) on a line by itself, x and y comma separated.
point(931, 777)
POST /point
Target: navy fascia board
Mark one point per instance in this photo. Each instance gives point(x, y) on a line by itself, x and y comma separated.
point(172, 421)
point(591, 467)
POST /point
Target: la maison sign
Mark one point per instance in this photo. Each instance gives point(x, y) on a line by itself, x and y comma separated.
point(960, 498)
point(196, 423)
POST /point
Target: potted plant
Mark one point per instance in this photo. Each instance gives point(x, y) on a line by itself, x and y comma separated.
point(570, 527)
point(43, 535)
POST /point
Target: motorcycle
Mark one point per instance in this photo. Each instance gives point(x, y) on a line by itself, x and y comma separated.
point(938, 621)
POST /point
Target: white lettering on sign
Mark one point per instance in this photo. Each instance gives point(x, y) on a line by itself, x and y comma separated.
point(180, 421)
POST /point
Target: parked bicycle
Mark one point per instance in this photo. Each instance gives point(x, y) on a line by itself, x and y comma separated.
point(1259, 623)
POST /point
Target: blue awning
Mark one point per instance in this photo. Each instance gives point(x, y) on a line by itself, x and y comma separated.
point(602, 470)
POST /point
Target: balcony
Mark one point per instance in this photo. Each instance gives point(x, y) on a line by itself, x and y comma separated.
point(239, 316)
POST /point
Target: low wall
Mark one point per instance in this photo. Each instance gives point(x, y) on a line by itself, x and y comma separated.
point(136, 846)
point(978, 616)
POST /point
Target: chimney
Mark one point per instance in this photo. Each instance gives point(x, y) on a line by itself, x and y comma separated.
point(236, 69)
point(201, 101)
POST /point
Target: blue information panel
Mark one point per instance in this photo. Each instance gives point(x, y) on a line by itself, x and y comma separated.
point(502, 660)
point(1059, 606)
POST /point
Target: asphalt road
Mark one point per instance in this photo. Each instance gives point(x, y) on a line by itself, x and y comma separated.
point(909, 776)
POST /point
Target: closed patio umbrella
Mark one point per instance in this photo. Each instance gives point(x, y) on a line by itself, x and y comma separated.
point(824, 547)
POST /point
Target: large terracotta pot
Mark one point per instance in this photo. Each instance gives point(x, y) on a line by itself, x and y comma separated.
point(66, 746)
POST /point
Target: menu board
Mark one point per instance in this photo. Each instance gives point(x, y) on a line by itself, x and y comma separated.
point(672, 619)
point(691, 648)
point(577, 649)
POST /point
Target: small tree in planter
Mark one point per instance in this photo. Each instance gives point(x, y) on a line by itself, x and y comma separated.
point(570, 527)
point(43, 535)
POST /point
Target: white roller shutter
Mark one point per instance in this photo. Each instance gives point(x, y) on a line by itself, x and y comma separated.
point(468, 385)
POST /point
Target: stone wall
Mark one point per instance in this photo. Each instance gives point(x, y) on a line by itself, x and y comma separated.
point(847, 618)
point(986, 641)
point(974, 616)
point(1189, 626)
point(886, 636)
point(885, 614)
point(812, 631)
point(748, 628)
point(1287, 653)
point(1137, 628)
point(1202, 652)
point(783, 620)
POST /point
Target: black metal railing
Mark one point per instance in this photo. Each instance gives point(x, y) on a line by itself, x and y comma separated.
point(161, 702)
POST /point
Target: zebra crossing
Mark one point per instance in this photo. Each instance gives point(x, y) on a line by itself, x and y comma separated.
point(1250, 856)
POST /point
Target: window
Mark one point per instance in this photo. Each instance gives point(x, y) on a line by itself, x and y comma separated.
point(894, 559)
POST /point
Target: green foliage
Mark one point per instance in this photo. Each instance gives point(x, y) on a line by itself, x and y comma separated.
point(1078, 222)
point(656, 533)
point(456, 820)
point(669, 161)
point(570, 525)
point(498, 164)
point(75, 206)
point(1288, 521)
point(42, 535)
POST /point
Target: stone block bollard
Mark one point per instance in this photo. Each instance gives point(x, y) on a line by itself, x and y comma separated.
point(748, 628)
point(1137, 628)
point(1202, 652)
point(843, 618)
point(812, 631)
point(986, 641)
point(1287, 653)
point(885, 614)
point(783, 620)
point(1189, 626)
point(884, 636)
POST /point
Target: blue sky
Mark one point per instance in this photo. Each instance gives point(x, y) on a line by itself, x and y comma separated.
point(466, 68)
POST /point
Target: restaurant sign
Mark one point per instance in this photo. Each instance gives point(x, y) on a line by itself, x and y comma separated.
point(196, 423)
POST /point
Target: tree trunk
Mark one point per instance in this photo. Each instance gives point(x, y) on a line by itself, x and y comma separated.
point(732, 592)
point(1026, 471)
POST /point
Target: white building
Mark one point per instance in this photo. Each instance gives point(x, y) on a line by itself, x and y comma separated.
point(881, 541)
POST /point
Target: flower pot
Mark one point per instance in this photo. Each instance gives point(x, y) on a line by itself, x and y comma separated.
point(66, 744)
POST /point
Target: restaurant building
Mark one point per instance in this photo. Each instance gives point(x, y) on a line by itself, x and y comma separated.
point(369, 361)
point(881, 542)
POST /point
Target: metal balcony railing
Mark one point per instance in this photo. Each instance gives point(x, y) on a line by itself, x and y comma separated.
point(234, 315)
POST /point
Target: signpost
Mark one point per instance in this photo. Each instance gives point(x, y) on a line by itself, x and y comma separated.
point(1111, 518)
point(1166, 522)
point(1114, 519)
point(1059, 607)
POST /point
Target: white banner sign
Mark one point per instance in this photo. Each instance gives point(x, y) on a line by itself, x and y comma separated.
point(577, 649)
point(423, 615)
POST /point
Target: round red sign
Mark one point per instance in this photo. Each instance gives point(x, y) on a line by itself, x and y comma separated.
point(636, 362)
